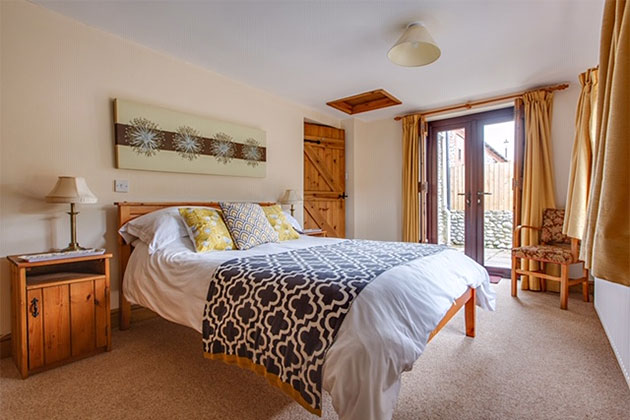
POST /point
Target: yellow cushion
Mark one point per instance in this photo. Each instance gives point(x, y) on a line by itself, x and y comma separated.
point(207, 229)
point(280, 223)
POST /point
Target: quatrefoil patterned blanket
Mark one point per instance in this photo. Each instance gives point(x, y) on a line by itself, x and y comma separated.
point(278, 314)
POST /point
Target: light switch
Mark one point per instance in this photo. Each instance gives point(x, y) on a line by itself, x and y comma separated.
point(121, 186)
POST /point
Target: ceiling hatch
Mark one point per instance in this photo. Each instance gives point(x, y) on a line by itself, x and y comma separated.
point(366, 101)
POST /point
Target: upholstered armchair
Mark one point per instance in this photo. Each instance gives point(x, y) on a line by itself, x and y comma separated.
point(554, 248)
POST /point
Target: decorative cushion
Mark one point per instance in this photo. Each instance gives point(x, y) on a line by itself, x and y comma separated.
point(248, 224)
point(552, 222)
point(547, 253)
point(206, 229)
point(278, 220)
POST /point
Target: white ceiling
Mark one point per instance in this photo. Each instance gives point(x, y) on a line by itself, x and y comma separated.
point(315, 51)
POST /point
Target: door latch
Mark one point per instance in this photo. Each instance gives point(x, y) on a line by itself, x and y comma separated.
point(34, 308)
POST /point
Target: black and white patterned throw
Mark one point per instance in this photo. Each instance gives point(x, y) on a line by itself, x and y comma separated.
point(278, 314)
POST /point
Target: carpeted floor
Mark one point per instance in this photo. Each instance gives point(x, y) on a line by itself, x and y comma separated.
point(530, 360)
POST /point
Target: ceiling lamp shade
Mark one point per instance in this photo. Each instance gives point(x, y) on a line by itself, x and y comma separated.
point(414, 48)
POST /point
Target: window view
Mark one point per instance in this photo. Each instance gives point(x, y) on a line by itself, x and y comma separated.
point(498, 155)
point(498, 170)
point(451, 187)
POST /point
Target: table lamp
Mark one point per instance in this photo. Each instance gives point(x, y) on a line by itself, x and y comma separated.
point(290, 197)
point(73, 190)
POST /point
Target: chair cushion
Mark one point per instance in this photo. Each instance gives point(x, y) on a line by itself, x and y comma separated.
point(547, 253)
point(552, 222)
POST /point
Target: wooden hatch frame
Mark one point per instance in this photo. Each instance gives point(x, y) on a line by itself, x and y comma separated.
point(364, 102)
point(129, 210)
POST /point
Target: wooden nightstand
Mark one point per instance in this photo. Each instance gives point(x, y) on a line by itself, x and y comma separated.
point(321, 233)
point(60, 311)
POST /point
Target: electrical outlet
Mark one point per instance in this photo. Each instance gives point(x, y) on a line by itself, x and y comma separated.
point(121, 186)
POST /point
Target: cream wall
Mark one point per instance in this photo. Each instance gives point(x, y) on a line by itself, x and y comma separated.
point(378, 168)
point(378, 177)
point(58, 79)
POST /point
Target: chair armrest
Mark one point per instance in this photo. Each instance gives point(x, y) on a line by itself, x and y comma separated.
point(516, 238)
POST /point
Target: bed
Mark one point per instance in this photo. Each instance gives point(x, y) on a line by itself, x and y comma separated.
point(383, 334)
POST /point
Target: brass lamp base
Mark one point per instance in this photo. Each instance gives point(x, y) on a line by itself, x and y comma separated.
point(73, 245)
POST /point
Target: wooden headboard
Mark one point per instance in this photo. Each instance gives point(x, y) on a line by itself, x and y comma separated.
point(128, 211)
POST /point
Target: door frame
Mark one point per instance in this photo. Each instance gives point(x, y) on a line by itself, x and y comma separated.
point(474, 160)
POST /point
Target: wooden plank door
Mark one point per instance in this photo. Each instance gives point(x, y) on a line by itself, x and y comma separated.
point(325, 179)
point(35, 328)
point(82, 319)
point(57, 323)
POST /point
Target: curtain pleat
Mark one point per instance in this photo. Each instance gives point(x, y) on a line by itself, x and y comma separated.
point(538, 188)
point(582, 157)
point(411, 162)
point(606, 243)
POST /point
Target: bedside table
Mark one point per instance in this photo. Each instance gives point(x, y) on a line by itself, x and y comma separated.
point(60, 311)
point(321, 233)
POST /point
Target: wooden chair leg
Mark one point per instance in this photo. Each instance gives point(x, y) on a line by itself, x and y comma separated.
point(543, 282)
point(564, 286)
point(514, 275)
point(585, 284)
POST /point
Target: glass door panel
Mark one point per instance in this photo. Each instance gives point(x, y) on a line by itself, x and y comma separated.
point(497, 196)
point(451, 188)
point(470, 196)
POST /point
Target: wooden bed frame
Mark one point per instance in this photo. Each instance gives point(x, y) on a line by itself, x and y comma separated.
point(128, 211)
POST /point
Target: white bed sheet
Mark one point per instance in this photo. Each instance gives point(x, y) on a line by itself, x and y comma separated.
point(383, 334)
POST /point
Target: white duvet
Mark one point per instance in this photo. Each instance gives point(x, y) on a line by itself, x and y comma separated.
point(383, 334)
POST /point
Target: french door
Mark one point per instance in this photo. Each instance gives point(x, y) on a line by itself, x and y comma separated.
point(471, 165)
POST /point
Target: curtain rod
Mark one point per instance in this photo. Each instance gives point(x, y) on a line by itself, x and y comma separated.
point(471, 104)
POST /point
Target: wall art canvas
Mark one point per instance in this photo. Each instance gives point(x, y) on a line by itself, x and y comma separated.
point(158, 139)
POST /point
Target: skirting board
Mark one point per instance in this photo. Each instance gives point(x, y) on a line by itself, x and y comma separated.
point(612, 305)
point(138, 313)
point(624, 369)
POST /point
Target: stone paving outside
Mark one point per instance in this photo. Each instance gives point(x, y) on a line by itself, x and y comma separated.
point(493, 257)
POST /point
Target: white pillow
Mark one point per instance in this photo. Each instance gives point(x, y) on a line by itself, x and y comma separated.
point(293, 222)
point(156, 229)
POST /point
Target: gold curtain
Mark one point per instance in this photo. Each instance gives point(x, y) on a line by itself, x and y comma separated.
point(538, 189)
point(582, 157)
point(606, 244)
point(412, 131)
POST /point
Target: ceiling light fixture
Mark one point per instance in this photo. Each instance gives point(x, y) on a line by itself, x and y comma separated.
point(414, 48)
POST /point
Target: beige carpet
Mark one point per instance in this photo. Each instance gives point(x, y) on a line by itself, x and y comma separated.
point(530, 360)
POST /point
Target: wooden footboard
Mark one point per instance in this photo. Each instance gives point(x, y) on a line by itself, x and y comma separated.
point(468, 299)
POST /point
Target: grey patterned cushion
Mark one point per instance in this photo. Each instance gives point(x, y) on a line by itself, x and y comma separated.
point(248, 224)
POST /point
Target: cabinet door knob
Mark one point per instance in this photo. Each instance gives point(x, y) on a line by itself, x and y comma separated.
point(34, 308)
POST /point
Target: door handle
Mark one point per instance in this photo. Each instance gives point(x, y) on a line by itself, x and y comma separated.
point(481, 194)
point(467, 195)
point(34, 307)
point(343, 196)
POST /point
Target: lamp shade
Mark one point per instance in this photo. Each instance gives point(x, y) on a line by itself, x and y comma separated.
point(290, 196)
point(414, 48)
point(70, 189)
